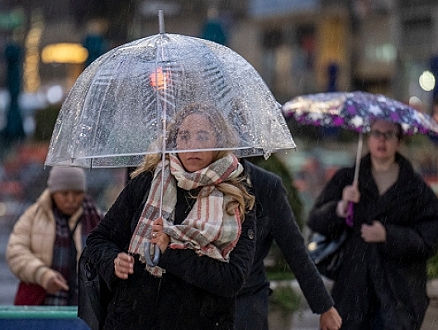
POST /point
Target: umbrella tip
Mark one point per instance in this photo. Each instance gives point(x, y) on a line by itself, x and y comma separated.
point(161, 21)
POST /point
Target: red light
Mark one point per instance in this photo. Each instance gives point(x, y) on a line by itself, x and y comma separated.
point(159, 79)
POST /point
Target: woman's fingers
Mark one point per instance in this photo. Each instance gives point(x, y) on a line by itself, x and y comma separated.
point(351, 193)
point(157, 226)
point(158, 221)
point(123, 265)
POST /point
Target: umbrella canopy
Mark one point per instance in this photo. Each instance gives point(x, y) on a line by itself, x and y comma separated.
point(356, 111)
point(121, 106)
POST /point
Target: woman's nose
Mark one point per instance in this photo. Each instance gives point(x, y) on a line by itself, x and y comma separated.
point(70, 197)
point(191, 144)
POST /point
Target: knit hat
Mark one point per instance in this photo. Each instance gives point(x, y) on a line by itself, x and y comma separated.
point(66, 178)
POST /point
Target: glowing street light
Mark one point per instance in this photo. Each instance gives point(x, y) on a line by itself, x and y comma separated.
point(71, 53)
point(427, 81)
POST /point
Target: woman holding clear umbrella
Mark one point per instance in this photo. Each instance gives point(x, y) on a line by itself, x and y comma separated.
point(202, 264)
point(382, 281)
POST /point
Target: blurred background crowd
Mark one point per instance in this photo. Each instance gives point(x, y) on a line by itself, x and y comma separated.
point(299, 47)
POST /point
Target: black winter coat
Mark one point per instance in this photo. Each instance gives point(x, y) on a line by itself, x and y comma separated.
point(194, 293)
point(276, 221)
point(394, 271)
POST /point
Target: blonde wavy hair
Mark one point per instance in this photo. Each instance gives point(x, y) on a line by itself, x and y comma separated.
point(235, 188)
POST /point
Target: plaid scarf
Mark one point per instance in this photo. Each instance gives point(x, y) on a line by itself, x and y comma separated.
point(90, 218)
point(64, 250)
point(64, 259)
point(208, 228)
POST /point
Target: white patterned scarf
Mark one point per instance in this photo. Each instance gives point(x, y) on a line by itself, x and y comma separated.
point(208, 228)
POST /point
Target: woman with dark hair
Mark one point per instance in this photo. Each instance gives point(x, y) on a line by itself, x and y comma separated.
point(382, 281)
point(205, 233)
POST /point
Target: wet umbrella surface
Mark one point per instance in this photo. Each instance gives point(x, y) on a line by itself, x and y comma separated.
point(122, 105)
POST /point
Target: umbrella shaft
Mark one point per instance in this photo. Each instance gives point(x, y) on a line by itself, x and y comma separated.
point(358, 157)
point(163, 157)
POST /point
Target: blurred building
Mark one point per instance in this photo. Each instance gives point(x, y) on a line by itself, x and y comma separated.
point(298, 46)
point(373, 45)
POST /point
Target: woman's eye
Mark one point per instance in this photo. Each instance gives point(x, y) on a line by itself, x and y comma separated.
point(183, 137)
point(203, 137)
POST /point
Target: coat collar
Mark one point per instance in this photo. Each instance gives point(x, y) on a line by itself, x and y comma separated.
point(45, 203)
point(367, 183)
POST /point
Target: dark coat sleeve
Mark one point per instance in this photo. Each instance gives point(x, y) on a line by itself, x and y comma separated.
point(114, 232)
point(322, 217)
point(289, 239)
point(277, 219)
point(416, 239)
point(220, 278)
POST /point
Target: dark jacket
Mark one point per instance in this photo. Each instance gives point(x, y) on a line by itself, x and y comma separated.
point(392, 272)
point(276, 221)
point(194, 293)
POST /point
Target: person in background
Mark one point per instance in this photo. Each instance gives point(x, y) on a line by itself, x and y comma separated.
point(47, 240)
point(382, 281)
point(276, 221)
point(193, 289)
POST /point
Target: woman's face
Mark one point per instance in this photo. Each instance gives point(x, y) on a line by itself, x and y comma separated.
point(383, 140)
point(68, 201)
point(196, 132)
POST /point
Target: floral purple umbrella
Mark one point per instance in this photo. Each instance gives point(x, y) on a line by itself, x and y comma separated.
point(357, 111)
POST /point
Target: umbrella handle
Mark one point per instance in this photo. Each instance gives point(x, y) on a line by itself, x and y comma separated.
point(147, 254)
point(350, 214)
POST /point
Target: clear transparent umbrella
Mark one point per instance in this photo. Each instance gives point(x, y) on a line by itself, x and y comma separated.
point(121, 106)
